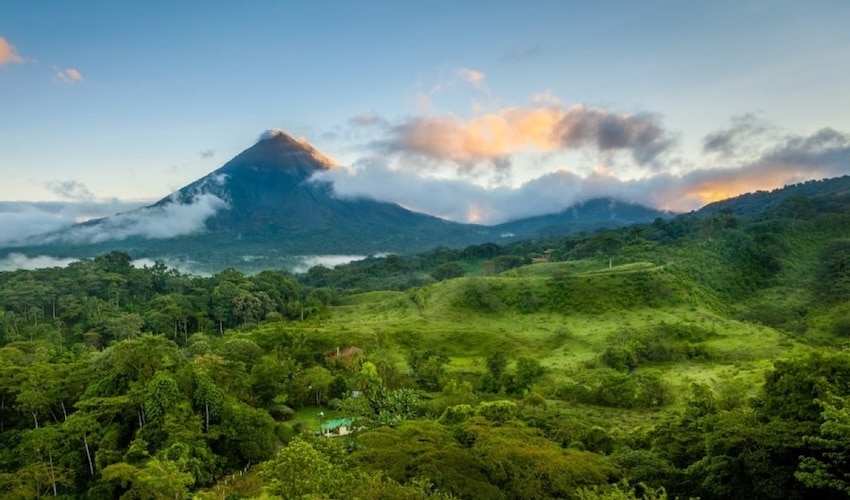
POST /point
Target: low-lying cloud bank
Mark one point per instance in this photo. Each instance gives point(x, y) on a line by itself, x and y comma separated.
point(165, 220)
point(14, 261)
point(22, 220)
point(305, 262)
point(27, 223)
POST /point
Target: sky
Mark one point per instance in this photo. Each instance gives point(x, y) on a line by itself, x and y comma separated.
point(478, 111)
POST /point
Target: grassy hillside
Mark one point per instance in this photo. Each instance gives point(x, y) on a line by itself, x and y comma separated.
point(565, 315)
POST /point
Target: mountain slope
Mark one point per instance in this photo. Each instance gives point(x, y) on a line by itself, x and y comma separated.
point(587, 216)
point(760, 202)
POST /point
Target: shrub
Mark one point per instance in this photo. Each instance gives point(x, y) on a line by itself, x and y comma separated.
point(841, 327)
point(497, 411)
point(456, 414)
point(620, 358)
point(479, 295)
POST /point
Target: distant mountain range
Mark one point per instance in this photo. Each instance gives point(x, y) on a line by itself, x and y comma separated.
point(261, 209)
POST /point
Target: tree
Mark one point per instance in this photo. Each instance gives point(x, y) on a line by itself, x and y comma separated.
point(527, 371)
point(245, 435)
point(426, 450)
point(161, 394)
point(428, 368)
point(367, 380)
point(154, 479)
point(299, 470)
point(497, 363)
point(207, 396)
point(833, 271)
point(317, 379)
point(828, 467)
point(525, 465)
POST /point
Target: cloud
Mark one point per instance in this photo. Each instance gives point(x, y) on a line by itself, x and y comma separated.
point(272, 133)
point(471, 76)
point(207, 154)
point(166, 220)
point(495, 136)
point(8, 54)
point(304, 263)
point(32, 223)
point(14, 261)
point(71, 190)
point(825, 153)
point(22, 220)
point(67, 75)
point(183, 265)
point(546, 98)
point(747, 131)
point(825, 149)
point(367, 120)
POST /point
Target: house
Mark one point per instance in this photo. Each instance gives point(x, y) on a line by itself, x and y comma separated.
point(337, 427)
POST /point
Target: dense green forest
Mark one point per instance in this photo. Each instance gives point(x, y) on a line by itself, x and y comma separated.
point(700, 356)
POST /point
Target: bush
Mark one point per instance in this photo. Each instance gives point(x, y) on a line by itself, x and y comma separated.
point(479, 295)
point(620, 358)
point(456, 414)
point(498, 411)
point(841, 327)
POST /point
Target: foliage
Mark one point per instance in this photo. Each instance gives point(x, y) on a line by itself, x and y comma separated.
point(696, 356)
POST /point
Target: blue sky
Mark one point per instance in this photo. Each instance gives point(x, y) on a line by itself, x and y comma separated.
point(474, 110)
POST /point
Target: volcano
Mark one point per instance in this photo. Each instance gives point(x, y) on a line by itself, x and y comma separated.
point(272, 198)
point(263, 203)
point(270, 194)
point(265, 207)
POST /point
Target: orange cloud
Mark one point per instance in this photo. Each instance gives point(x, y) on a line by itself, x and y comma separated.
point(472, 77)
point(8, 55)
point(544, 129)
point(68, 75)
point(700, 187)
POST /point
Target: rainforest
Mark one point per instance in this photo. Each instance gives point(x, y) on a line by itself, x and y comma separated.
point(703, 355)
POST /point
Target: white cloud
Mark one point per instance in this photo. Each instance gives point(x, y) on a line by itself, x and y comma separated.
point(33, 222)
point(792, 159)
point(14, 261)
point(21, 220)
point(183, 265)
point(165, 220)
point(72, 190)
point(471, 76)
point(306, 262)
